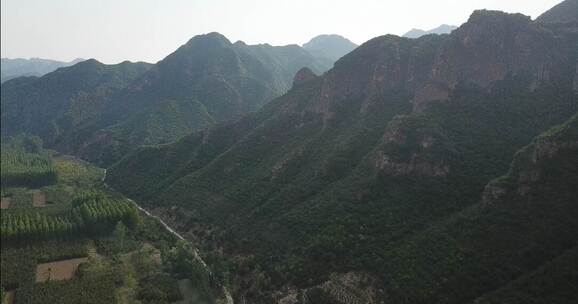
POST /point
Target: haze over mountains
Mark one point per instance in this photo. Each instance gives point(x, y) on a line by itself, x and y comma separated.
point(442, 29)
point(436, 169)
point(18, 67)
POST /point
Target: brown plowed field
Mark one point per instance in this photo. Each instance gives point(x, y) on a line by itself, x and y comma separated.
point(60, 270)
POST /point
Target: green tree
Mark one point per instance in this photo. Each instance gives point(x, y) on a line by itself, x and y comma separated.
point(119, 235)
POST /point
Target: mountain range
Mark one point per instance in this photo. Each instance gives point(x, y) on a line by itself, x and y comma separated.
point(420, 170)
point(101, 111)
point(18, 67)
point(436, 169)
point(442, 29)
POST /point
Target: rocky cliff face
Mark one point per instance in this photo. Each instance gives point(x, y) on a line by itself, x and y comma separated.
point(414, 146)
point(551, 153)
point(490, 47)
point(382, 65)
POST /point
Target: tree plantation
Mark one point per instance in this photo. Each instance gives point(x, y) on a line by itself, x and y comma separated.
point(26, 165)
point(74, 240)
point(90, 217)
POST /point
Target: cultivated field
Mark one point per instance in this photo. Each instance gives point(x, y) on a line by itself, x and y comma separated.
point(60, 270)
point(5, 203)
point(38, 199)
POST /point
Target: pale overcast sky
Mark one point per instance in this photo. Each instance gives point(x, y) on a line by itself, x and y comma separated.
point(147, 30)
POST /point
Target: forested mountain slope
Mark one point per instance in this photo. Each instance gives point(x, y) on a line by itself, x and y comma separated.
point(207, 80)
point(517, 244)
point(56, 105)
point(353, 169)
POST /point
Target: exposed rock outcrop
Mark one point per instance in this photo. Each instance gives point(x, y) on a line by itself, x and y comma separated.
point(416, 166)
point(414, 146)
point(553, 151)
point(491, 46)
point(380, 66)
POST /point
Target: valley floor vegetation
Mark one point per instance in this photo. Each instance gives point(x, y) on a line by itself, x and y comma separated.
point(67, 238)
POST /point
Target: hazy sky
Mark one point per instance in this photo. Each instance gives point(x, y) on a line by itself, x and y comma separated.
point(115, 30)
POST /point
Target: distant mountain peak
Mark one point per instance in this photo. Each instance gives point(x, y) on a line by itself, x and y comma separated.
point(212, 37)
point(91, 61)
point(442, 29)
point(17, 67)
point(88, 64)
point(331, 46)
point(328, 36)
